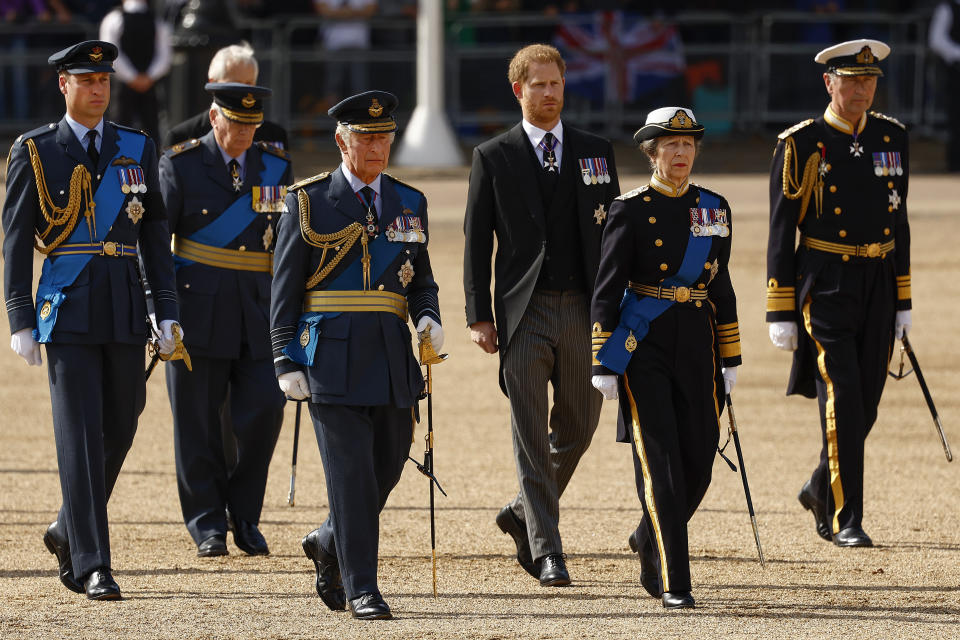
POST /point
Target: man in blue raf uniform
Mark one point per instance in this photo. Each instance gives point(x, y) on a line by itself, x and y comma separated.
point(223, 195)
point(838, 298)
point(351, 262)
point(85, 193)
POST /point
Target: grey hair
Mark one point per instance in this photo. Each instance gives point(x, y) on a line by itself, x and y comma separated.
point(232, 56)
point(649, 148)
point(346, 134)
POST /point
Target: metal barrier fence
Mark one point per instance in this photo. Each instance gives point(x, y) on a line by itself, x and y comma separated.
point(745, 72)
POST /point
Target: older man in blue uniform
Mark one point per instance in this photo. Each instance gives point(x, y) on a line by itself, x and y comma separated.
point(839, 296)
point(84, 192)
point(223, 194)
point(351, 266)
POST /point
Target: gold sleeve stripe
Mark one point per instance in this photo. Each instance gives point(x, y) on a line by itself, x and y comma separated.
point(730, 350)
point(904, 292)
point(781, 304)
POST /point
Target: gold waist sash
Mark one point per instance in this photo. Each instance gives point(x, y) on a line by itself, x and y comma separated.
point(677, 294)
point(223, 258)
point(353, 301)
point(872, 250)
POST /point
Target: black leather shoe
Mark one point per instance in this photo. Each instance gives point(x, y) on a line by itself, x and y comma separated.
point(678, 600)
point(58, 546)
point(329, 584)
point(648, 571)
point(816, 506)
point(100, 585)
point(513, 526)
point(247, 536)
point(370, 606)
point(553, 571)
point(852, 537)
point(215, 545)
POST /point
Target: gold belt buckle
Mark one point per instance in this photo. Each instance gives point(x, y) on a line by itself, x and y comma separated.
point(681, 294)
point(873, 249)
point(109, 248)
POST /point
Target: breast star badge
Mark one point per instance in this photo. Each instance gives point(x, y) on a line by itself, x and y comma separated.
point(599, 214)
point(406, 273)
point(894, 198)
point(135, 209)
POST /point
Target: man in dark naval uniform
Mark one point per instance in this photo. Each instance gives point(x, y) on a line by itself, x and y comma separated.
point(85, 193)
point(351, 265)
point(838, 298)
point(224, 194)
point(543, 190)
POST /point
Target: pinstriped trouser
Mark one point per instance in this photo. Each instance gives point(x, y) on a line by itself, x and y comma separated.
point(550, 346)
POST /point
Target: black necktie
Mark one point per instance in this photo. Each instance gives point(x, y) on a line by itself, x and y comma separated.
point(92, 148)
point(369, 196)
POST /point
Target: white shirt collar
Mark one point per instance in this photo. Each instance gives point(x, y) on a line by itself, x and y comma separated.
point(80, 131)
point(356, 183)
point(535, 133)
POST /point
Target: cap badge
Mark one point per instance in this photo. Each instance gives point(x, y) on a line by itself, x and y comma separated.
point(865, 56)
point(96, 54)
point(681, 121)
point(248, 101)
point(375, 109)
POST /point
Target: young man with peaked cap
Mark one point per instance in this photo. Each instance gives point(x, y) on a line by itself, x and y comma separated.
point(839, 297)
point(351, 266)
point(224, 193)
point(543, 190)
point(85, 193)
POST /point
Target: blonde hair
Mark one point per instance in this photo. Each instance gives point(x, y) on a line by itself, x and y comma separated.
point(543, 53)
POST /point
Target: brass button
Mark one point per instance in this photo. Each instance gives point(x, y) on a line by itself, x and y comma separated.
point(698, 199)
point(890, 209)
point(886, 232)
point(829, 167)
point(819, 145)
point(837, 210)
point(843, 233)
point(380, 288)
point(186, 286)
point(658, 242)
point(886, 138)
point(663, 266)
point(242, 248)
point(203, 211)
point(269, 216)
point(845, 258)
point(698, 303)
point(833, 188)
point(707, 265)
point(889, 185)
point(652, 220)
point(646, 198)
point(701, 286)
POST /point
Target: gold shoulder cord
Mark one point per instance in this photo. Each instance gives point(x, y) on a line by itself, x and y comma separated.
point(80, 186)
point(811, 179)
point(341, 241)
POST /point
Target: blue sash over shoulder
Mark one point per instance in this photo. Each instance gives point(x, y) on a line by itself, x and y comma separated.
point(637, 312)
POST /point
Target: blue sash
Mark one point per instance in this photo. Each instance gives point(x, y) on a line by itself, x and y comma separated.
point(382, 253)
point(62, 272)
point(637, 312)
point(239, 215)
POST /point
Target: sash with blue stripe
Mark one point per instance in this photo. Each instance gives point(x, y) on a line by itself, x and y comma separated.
point(382, 253)
point(637, 312)
point(60, 273)
point(239, 215)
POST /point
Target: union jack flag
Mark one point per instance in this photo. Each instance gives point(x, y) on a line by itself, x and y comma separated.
point(618, 56)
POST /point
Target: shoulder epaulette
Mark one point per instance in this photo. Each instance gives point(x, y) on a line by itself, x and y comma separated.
point(631, 194)
point(789, 131)
point(126, 128)
point(882, 116)
point(33, 133)
point(401, 182)
point(180, 147)
point(708, 190)
point(273, 150)
point(312, 179)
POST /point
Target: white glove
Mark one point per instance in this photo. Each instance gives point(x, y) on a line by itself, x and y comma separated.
point(436, 332)
point(729, 378)
point(294, 385)
point(26, 347)
point(167, 343)
point(605, 384)
point(903, 323)
point(783, 335)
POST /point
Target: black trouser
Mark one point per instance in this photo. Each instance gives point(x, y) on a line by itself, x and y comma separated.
point(670, 403)
point(363, 451)
point(849, 313)
point(206, 482)
point(97, 391)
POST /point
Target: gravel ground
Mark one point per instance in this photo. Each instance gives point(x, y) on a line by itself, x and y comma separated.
point(905, 587)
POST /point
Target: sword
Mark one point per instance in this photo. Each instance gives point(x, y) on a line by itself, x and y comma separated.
point(743, 476)
point(293, 467)
point(179, 352)
point(908, 349)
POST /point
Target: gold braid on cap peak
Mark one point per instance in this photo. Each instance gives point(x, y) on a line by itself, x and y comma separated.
point(340, 241)
point(80, 188)
point(811, 179)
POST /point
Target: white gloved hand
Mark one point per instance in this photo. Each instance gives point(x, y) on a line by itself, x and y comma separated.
point(167, 343)
point(903, 323)
point(783, 335)
point(436, 331)
point(729, 378)
point(26, 347)
point(605, 384)
point(294, 385)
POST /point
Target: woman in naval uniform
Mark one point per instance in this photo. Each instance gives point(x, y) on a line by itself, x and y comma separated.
point(666, 341)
